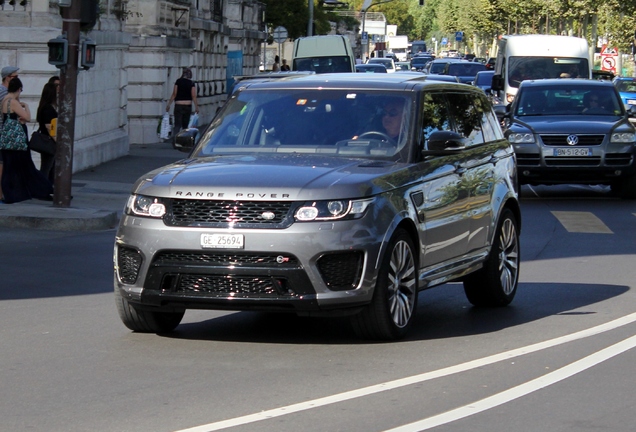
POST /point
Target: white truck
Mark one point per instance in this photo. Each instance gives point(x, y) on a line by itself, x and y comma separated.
point(398, 45)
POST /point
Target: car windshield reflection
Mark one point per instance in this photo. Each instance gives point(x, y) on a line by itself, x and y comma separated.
point(347, 123)
point(582, 100)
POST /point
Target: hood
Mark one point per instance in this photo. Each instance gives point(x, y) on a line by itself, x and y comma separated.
point(267, 177)
point(570, 124)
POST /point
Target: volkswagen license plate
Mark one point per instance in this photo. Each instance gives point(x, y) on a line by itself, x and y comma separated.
point(572, 152)
point(222, 241)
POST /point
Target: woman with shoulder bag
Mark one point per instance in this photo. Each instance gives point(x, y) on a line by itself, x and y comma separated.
point(45, 114)
point(20, 179)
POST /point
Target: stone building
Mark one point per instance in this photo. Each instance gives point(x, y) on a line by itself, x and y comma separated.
point(142, 46)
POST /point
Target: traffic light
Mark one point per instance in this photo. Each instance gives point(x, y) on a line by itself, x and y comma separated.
point(88, 53)
point(88, 14)
point(58, 51)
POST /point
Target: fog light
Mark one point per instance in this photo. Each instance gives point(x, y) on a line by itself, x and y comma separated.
point(618, 172)
point(526, 173)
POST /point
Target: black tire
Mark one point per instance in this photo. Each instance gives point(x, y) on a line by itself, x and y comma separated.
point(625, 188)
point(143, 321)
point(390, 313)
point(495, 284)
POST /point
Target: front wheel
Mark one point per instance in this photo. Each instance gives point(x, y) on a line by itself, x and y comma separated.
point(390, 313)
point(495, 284)
point(625, 188)
point(143, 321)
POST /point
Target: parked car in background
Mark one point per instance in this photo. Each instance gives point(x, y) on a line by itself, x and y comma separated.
point(418, 63)
point(602, 75)
point(323, 54)
point(437, 66)
point(402, 66)
point(361, 191)
point(370, 68)
point(626, 87)
point(388, 63)
point(483, 80)
point(573, 131)
point(465, 71)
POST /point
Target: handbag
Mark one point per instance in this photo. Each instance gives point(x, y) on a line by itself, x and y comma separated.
point(165, 127)
point(42, 143)
point(13, 136)
point(194, 121)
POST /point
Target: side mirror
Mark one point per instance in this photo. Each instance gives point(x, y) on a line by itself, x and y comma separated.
point(186, 140)
point(497, 83)
point(446, 142)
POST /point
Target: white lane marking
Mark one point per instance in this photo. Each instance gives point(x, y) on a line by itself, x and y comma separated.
point(581, 222)
point(415, 379)
point(521, 390)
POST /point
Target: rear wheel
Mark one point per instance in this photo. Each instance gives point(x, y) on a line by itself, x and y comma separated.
point(146, 321)
point(496, 283)
point(390, 313)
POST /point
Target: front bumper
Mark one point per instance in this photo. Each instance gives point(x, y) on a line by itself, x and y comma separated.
point(537, 164)
point(310, 268)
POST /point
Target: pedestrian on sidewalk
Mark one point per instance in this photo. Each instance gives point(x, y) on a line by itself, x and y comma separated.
point(21, 180)
point(8, 73)
point(47, 111)
point(184, 95)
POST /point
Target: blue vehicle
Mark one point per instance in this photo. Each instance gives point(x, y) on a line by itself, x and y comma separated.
point(627, 89)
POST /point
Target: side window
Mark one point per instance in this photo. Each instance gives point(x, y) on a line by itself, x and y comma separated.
point(489, 124)
point(435, 115)
point(467, 112)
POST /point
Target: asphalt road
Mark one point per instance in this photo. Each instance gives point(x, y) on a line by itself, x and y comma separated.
point(560, 358)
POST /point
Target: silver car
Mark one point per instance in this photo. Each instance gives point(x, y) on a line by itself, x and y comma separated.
point(335, 194)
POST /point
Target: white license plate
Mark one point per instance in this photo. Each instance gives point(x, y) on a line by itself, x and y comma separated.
point(631, 101)
point(222, 241)
point(572, 152)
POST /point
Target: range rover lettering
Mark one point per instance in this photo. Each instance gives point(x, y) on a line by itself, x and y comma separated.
point(325, 195)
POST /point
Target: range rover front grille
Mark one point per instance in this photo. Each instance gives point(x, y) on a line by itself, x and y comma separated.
point(172, 258)
point(239, 214)
point(260, 286)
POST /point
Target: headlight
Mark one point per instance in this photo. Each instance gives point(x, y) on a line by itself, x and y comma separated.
point(331, 210)
point(521, 138)
point(141, 205)
point(623, 137)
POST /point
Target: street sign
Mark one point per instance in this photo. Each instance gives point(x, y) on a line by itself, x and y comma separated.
point(459, 36)
point(365, 37)
point(280, 34)
point(444, 41)
point(609, 58)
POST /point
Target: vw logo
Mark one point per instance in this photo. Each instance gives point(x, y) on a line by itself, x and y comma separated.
point(268, 215)
point(572, 140)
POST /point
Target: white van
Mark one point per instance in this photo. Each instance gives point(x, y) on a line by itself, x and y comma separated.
point(323, 54)
point(522, 57)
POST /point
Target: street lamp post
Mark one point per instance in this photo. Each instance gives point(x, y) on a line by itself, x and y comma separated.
point(368, 4)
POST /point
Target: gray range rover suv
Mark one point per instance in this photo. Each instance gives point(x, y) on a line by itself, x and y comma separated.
point(333, 194)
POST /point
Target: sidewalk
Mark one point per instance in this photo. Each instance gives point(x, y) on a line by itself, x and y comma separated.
point(99, 193)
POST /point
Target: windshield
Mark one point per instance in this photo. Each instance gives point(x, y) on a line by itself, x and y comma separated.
point(626, 86)
point(321, 65)
point(330, 122)
point(527, 68)
point(570, 100)
point(437, 68)
point(465, 69)
point(386, 63)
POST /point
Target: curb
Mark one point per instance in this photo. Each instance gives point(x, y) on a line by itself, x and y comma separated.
point(59, 219)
